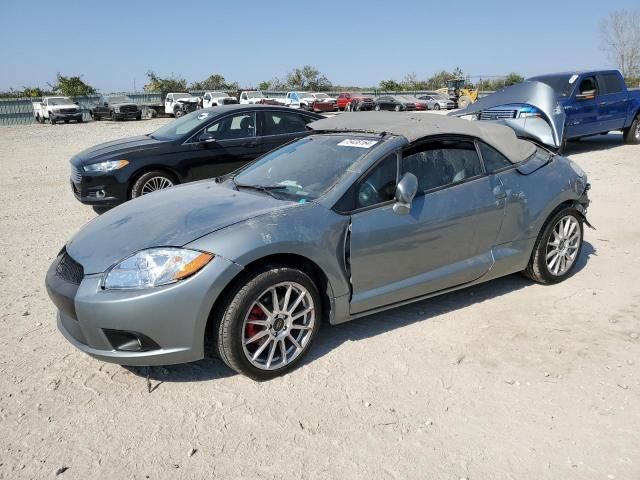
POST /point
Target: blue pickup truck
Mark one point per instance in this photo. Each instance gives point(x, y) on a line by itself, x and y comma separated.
point(555, 108)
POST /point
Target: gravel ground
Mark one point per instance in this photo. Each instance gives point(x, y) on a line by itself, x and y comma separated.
point(507, 380)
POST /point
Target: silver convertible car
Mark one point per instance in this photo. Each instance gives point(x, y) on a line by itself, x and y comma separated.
point(367, 212)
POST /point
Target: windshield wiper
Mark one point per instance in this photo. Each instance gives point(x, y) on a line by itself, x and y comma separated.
point(262, 188)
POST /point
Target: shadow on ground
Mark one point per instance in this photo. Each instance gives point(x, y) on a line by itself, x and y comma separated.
point(594, 143)
point(331, 337)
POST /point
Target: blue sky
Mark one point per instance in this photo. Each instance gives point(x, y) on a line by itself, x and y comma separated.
point(356, 43)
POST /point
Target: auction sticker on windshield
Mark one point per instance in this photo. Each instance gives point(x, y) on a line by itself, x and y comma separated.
point(357, 142)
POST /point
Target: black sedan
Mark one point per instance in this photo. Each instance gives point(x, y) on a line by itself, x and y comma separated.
point(397, 103)
point(203, 144)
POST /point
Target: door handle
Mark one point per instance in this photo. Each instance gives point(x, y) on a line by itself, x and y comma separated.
point(602, 103)
point(499, 192)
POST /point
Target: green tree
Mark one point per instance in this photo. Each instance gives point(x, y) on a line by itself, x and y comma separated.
point(72, 86)
point(214, 82)
point(165, 85)
point(390, 86)
point(307, 78)
point(265, 85)
point(438, 80)
point(513, 78)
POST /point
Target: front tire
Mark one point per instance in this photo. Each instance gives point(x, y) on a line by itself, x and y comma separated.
point(632, 134)
point(377, 108)
point(558, 248)
point(268, 325)
point(397, 108)
point(178, 113)
point(436, 106)
point(151, 182)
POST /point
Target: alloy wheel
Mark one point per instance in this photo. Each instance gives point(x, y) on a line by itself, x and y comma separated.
point(563, 245)
point(278, 326)
point(154, 184)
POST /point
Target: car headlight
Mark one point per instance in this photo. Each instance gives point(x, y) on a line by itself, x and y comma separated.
point(106, 166)
point(529, 111)
point(155, 267)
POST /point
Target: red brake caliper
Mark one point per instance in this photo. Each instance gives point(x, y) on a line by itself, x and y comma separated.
point(256, 313)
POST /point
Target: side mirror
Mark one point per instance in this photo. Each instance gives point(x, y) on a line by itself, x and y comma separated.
point(586, 95)
point(206, 138)
point(106, 104)
point(405, 192)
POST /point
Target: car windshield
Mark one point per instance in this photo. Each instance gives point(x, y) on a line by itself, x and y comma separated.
point(255, 95)
point(307, 168)
point(562, 83)
point(60, 101)
point(178, 128)
point(303, 94)
point(119, 99)
point(218, 94)
point(177, 96)
point(321, 95)
point(440, 97)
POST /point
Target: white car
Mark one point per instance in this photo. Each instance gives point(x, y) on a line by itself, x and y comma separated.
point(215, 98)
point(179, 104)
point(57, 109)
point(317, 102)
point(253, 96)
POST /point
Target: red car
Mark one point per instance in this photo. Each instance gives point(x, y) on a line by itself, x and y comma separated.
point(353, 101)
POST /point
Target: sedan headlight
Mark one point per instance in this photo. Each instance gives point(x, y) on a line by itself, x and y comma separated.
point(155, 267)
point(106, 166)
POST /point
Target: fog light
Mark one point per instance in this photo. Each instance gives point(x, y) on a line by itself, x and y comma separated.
point(101, 194)
point(124, 341)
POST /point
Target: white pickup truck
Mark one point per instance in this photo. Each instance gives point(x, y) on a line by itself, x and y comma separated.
point(57, 109)
point(253, 96)
point(215, 98)
point(179, 104)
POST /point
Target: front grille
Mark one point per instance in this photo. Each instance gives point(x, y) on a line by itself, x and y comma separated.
point(76, 174)
point(69, 270)
point(495, 114)
point(68, 110)
point(128, 108)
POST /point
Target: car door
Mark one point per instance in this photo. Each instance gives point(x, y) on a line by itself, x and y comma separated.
point(277, 127)
point(444, 241)
point(221, 147)
point(612, 103)
point(582, 114)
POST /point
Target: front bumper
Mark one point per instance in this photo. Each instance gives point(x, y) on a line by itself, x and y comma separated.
point(127, 115)
point(102, 190)
point(170, 320)
point(67, 116)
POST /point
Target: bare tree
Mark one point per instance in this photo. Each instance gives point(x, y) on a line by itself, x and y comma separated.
point(620, 35)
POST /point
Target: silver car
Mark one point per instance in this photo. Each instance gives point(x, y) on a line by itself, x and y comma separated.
point(370, 211)
point(437, 102)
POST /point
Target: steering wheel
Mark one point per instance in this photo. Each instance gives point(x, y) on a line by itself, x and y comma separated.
point(368, 194)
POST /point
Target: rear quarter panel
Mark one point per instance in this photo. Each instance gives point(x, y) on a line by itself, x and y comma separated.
point(532, 198)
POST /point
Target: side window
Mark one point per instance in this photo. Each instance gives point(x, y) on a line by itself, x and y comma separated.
point(493, 160)
point(379, 185)
point(243, 96)
point(612, 83)
point(588, 86)
point(441, 162)
point(241, 125)
point(279, 123)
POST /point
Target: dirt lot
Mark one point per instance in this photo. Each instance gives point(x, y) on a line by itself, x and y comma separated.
point(508, 380)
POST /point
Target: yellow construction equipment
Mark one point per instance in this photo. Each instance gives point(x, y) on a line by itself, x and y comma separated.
point(461, 92)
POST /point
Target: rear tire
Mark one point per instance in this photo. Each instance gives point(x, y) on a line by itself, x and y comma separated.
point(397, 108)
point(263, 358)
point(377, 108)
point(52, 121)
point(113, 117)
point(557, 249)
point(632, 134)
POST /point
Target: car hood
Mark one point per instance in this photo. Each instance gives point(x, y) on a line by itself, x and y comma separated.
point(170, 218)
point(188, 100)
point(121, 146)
point(536, 94)
point(64, 105)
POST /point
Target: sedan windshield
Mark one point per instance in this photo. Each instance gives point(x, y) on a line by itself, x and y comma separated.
point(307, 168)
point(177, 129)
point(562, 83)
